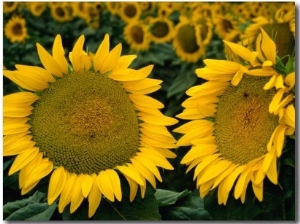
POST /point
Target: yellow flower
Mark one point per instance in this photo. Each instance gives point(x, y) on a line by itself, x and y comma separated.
point(61, 11)
point(137, 35)
point(130, 11)
point(15, 29)
point(161, 29)
point(85, 125)
point(9, 7)
point(238, 122)
point(187, 40)
point(36, 8)
point(281, 22)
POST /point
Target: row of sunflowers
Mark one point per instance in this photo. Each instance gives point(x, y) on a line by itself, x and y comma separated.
point(149, 111)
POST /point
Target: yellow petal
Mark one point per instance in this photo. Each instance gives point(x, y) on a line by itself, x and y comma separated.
point(94, 197)
point(12, 138)
point(258, 191)
point(124, 62)
point(101, 53)
point(76, 195)
point(27, 169)
point(243, 52)
point(127, 74)
point(13, 126)
point(218, 169)
point(22, 160)
point(48, 61)
point(26, 80)
point(241, 183)
point(290, 80)
point(56, 184)
point(229, 180)
point(237, 78)
point(37, 72)
point(40, 171)
point(86, 184)
point(21, 145)
point(133, 188)
point(145, 101)
point(59, 54)
point(131, 173)
point(150, 166)
point(65, 196)
point(157, 160)
point(105, 185)
point(289, 116)
point(268, 47)
point(115, 182)
point(111, 60)
point(271, 83)
point(205, 163)
point(76, 57)
point(144, 171)
point(272, 171)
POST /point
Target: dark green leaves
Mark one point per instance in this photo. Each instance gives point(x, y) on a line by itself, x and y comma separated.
point(33, 208)
point(181, 206)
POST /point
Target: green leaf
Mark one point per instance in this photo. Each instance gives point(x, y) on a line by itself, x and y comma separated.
point(166, 197)
point(189, 207)
point(32, 208)
point(34, 212)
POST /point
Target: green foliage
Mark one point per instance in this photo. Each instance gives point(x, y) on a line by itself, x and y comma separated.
point(33, 208)
point(184, 205)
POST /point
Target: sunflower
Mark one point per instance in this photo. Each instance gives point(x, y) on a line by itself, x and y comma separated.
point(161, 29)
point(61, 11)
point(15, 29)
point(187, 40)
point(85, 124)
point(130, 11)
point(9, 7)
point(137, 35)
point(36, 8)
point(281, 22)
point(238, 121)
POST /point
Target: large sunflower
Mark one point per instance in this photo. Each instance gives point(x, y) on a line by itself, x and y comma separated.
point(84, 125)
point(239, 120)
point(15, 29)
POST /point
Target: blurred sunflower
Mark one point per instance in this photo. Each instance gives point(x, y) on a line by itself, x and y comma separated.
point(161, 29)
point(137, 35)
point(61, 11)
point(15, 29)
point(36, 8)
point(239, 120)
point(282, 22)
point(226, 27)
point(85, 125)
point(130, 11)
point(9, 7)
point(187, 40)
point(113, 7)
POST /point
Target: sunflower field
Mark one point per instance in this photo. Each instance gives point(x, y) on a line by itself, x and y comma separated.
point(149, 111)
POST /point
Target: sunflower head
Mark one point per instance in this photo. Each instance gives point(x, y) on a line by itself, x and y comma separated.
point(15, 29)
point(238, 121)
point(9, 7)
point(187, 40)
point(36, 8)
point(84, 124)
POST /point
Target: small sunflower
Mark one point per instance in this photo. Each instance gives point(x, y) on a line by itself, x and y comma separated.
point(37, 8)
point(15, 29)
point(281, 22)
point(187, 40)
point(9, 7)
point(137, 35)
point(161, 29)
point(130, 11)
point(85, 125)
point(61, 11)
point(238, 121)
